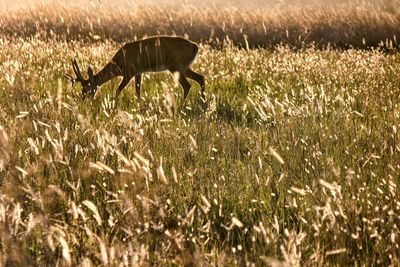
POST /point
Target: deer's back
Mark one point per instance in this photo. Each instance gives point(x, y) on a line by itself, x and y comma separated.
point(157, 53)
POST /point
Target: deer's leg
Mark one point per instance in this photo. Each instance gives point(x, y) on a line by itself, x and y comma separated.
point(185, 84)
point(199, 79)
point(122, 85)
point(138, 84)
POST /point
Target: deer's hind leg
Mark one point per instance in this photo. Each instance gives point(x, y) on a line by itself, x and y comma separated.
point(185, 84)
point(199, 79)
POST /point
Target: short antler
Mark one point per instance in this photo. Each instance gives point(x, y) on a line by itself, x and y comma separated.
point(69, 78)
point(78, 74)
point(79, 77)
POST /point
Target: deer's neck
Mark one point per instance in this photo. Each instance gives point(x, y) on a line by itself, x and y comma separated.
point(108, 72)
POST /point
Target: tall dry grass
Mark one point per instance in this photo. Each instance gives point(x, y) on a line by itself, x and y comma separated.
point(295, 162)
point(343, 25)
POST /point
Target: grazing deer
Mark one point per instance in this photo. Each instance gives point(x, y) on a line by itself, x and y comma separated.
point(152, 54)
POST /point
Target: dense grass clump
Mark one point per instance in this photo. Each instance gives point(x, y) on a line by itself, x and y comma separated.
point(296, 160)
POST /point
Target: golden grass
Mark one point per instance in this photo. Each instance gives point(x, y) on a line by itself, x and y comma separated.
point(296, 161)
point(341, 25)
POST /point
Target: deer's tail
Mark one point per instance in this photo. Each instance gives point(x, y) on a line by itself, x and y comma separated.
point(195, 49)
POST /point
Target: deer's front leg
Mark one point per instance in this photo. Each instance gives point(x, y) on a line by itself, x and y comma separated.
point(138, 84)
point(122, 85)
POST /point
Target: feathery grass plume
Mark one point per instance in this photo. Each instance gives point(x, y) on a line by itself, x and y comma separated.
point(103, 251)
point(141, 158)
point(169, 95)
point(65, 251)
point(207, 205)
point(298, 190)
point(59, 95)
point(335, 251)
point(90, 205)
point(276, 155)
point(174, 174)
point(236, 222)
point(5, 149)
point(161, 174)
point(105, 167)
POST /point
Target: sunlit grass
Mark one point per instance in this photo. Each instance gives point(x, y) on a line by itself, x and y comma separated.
point(352, 24)
point(296, 159)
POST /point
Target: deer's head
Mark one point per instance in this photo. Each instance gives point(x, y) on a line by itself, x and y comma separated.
point(89, 87)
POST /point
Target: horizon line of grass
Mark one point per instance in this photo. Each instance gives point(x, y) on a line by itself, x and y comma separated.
point(341, 26)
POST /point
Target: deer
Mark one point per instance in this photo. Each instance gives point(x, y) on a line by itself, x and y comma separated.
point(152, 54)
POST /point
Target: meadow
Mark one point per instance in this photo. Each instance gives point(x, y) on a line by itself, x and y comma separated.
point(295, 161)
point(253, 23)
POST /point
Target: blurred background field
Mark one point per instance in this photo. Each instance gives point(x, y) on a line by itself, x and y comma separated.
point(295, 161)
point(245, 23)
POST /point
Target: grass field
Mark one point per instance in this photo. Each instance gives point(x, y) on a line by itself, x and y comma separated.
point(295, 161)
point(254, 23)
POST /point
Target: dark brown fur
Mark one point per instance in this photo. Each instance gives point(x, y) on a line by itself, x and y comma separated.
point(158, 53)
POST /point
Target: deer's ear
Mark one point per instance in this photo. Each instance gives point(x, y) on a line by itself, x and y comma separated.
point(90, 73)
